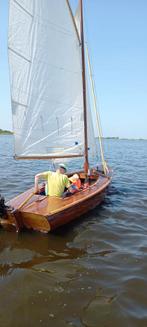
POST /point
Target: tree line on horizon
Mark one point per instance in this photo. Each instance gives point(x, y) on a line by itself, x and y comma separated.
point(4, 131)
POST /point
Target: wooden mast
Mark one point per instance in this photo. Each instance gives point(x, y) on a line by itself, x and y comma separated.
point(86, 164)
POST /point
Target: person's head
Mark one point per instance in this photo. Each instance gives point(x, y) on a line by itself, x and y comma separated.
point(62, 168)
point(74, 178)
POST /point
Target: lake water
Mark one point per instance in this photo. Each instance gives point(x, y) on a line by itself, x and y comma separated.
point(91, 273)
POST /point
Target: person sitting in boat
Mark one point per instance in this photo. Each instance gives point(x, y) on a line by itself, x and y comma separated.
point(56, 181)
point(75, 179)
point(74, 187)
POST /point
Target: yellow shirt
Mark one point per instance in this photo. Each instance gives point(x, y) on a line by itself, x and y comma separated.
point(56, 183)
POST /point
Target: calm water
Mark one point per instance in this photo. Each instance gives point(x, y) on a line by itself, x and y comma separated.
point(91, 273)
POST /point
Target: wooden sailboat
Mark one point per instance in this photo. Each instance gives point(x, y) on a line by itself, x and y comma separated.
point(51, 114)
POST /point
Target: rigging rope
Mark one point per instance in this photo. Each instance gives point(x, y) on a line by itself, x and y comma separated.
point(105, 168)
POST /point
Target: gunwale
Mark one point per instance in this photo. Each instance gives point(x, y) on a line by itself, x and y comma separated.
point(40, 204)
point(44, 213)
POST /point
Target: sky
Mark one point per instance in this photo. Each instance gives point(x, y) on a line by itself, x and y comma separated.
point(116, 34)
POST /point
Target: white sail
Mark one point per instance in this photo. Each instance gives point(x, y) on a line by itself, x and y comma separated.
point(78, 18)
point(46, 79)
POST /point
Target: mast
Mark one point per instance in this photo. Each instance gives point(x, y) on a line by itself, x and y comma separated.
point(86, 164)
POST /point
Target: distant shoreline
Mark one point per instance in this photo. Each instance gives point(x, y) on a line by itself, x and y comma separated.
point(5, 132)
point(123, 138)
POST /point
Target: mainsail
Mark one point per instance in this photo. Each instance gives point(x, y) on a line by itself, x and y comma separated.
point(46, 80)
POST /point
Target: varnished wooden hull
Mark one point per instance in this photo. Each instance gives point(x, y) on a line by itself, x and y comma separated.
point(79, 209)
point(44, 214)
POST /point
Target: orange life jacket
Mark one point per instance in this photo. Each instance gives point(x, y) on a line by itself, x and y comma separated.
point(77, 183)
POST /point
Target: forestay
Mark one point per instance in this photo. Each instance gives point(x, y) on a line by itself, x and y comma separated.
point(46, 79)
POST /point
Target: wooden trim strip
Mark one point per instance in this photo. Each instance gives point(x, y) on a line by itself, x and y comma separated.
point(48, 157)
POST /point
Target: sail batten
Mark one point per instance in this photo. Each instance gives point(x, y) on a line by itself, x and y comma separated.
point(22, 8)
point(19, 54)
